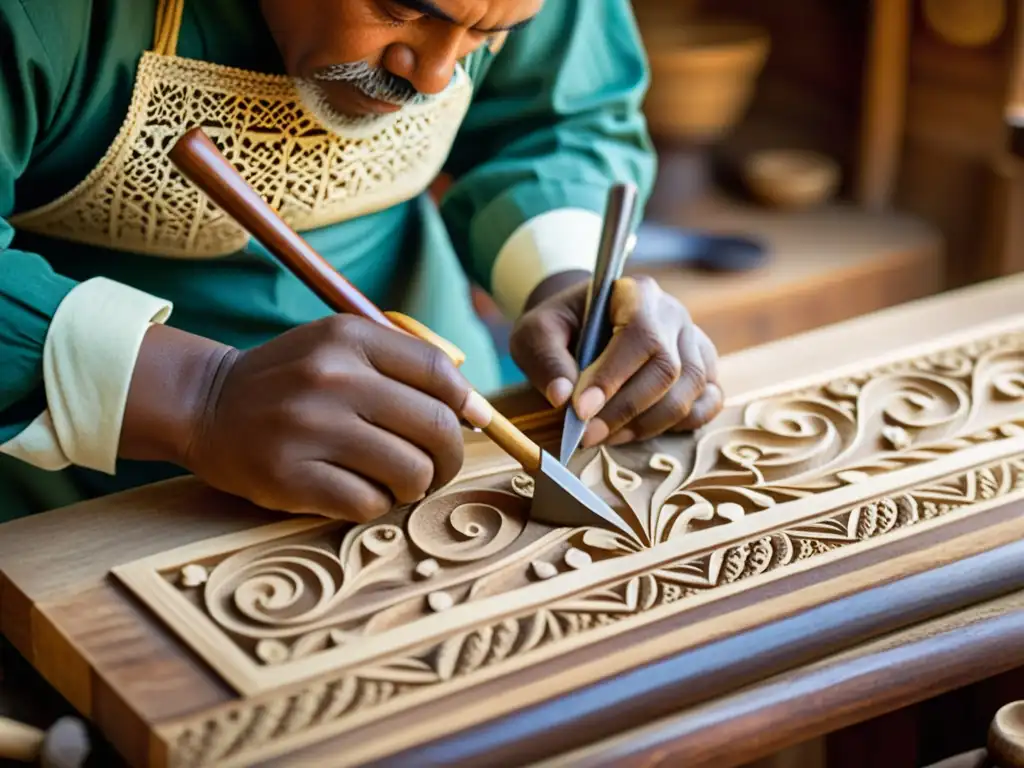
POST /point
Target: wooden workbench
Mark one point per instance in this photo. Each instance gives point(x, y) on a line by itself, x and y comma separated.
point(659, 690)
point(872, 679)
point(830, 696)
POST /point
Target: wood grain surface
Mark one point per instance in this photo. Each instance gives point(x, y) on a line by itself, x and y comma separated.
point(150, 692)
point(763, 716)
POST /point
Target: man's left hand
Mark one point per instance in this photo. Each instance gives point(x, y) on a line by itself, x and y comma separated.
point(658, 374)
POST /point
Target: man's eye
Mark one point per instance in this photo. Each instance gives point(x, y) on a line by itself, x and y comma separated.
point(398, 14)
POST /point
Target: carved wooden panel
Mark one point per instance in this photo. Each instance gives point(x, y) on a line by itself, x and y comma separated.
point(322, 627)
point(872, 458)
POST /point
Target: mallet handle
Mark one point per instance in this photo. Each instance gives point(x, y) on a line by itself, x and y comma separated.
point(19, 741)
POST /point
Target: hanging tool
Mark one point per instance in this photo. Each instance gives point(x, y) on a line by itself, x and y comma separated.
point(616, 243)
point(559, 497)
point(663, 245)
point(65, 745)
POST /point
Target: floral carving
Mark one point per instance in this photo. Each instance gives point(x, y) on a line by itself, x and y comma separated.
point(288, 599)
point(238, 731)
point(285, 600)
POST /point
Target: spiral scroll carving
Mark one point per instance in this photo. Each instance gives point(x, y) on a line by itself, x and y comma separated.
point(256, 592)
point(476, 538)
point(468, 525)
point(506, 643)
point(922, 402)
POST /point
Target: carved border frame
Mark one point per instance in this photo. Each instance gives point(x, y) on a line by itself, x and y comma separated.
point(362, 702)
point(248, 678)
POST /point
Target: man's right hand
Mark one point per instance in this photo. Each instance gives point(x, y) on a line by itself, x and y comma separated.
point(340, 417)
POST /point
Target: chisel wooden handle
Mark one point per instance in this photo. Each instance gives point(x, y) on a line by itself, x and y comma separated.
point(203, 164)
point(20, 742)
point(415, 328)
point(199, 159)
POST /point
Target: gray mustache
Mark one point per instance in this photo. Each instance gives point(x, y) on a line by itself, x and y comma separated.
point(375, 82)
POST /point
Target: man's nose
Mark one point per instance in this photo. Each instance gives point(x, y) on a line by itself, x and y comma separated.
point(429, 68)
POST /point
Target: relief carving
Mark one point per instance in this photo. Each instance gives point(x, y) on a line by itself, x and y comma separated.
point(334, 702)
point(322, 627)
point(288, 599)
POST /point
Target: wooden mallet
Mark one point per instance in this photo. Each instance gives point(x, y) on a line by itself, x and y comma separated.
point(64, 745)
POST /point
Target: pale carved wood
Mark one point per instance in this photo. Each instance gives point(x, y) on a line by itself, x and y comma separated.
point(329, 624)
point(196, 630)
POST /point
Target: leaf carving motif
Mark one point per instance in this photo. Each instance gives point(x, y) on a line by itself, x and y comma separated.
point(238, 731)
point(289, 599)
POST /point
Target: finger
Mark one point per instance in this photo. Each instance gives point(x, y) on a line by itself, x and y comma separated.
point(638, 337)
point(705, 410)
point(401, 467)
point(401, 357)
point(653, 422)
point(649, 386)
point(541, 346)
point(673, 408)
point(709, 354)
point(420, 419)
point(330, 491)
point(659, 383)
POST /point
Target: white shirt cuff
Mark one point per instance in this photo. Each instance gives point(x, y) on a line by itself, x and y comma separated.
point(557, 241)
point(37, 444)
point(88, 360)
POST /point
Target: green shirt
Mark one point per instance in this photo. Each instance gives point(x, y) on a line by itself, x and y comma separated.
point(554, 121)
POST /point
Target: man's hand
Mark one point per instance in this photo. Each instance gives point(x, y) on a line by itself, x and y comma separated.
point(340, 418)
point(658, 373)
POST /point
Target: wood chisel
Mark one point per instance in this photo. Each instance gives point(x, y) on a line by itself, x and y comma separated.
point(559, 498)
point(616, 242)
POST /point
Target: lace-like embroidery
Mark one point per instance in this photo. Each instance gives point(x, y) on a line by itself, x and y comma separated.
point(135, 200)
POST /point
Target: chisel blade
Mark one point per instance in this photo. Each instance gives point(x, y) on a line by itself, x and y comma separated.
point(572, 435)
point(561, 498)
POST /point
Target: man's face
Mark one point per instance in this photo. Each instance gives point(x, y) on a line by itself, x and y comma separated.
point(375, 56)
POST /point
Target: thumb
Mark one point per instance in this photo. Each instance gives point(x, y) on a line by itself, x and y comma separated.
point(540, 347)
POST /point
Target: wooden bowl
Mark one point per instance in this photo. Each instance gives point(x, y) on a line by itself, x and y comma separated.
point(791, 178)
point(966, 23)
point(702, 77)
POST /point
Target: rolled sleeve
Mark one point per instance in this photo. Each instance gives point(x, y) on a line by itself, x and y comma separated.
point(88, 359)
point(557, 241)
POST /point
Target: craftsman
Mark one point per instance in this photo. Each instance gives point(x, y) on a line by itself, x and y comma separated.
point(143, 334)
